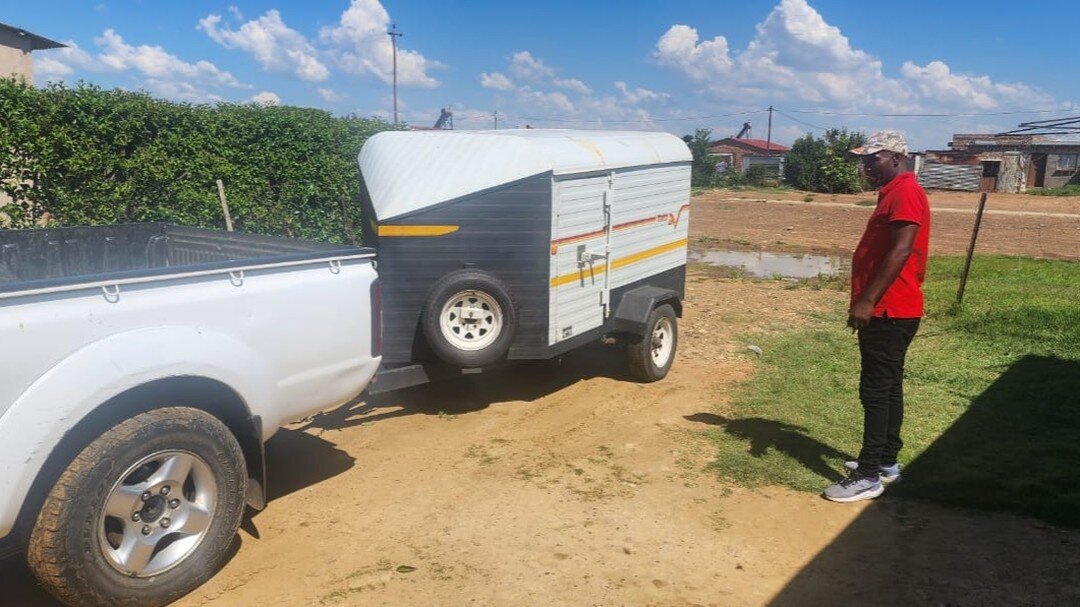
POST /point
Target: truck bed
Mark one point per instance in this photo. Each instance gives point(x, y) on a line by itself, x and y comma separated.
point(57, 257)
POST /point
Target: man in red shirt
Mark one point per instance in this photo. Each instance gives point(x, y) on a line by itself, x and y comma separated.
point(887, 272)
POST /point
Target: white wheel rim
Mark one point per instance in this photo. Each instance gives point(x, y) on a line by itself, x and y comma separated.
point(157, 513)
point(663, 340)
point(471, 320)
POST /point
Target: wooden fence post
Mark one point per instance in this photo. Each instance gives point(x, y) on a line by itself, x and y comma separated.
point(970, 251)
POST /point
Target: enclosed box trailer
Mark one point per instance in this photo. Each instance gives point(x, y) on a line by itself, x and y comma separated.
point(524, 244)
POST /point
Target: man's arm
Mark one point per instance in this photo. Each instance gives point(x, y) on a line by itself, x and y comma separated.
point(903, 238)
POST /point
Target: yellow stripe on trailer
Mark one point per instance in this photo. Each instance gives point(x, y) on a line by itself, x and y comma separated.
point(416, 230)
point(566, 279)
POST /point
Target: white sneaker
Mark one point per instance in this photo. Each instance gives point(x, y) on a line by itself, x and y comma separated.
point(888, 474)
point(855, 488)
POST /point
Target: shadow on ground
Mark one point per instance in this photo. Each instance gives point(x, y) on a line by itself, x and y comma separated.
point(764, 434)
point(523, 381)
point(1015, 451)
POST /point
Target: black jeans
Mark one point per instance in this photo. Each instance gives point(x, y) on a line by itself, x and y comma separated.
point(883, 345)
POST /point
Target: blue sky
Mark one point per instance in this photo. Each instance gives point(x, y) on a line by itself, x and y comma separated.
point(672, 66)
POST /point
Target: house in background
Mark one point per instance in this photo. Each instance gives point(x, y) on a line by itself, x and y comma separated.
point(741, 154)
point(15, 47)
point(1046, 155)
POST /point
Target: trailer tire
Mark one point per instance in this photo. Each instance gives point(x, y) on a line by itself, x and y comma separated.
point(144, 514)
point(469, 319)
point(650, 357)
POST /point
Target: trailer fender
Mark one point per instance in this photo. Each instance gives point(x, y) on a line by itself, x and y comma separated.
point(632, 314)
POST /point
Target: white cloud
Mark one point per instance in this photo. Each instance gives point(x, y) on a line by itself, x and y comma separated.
point(156, 70)
point(330, 95)
point(638, 95)
point(572, 84)
point(497, 81)
point(525, 67)
point(276, 46)
point(544, 101)
point(679, 48)
point(359, 45)
point(235, 12)
point(155, 62)
point(797, 56)
point(57, 63)
point(936, 81)
point(265, 98)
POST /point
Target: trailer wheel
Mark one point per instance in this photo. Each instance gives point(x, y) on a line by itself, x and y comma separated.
point(651, 356)
point(469, 320)
point(144, 514)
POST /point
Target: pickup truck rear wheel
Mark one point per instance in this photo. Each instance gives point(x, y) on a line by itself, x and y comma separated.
point(469, 320)
point(144, 514)
point(650, 358)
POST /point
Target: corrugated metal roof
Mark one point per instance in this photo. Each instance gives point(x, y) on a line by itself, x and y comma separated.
point(408, 170)
point(37, 43)
point(1064, 139)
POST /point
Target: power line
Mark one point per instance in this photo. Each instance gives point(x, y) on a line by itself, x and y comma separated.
point(923, 115)
point(802, 122)
point(650, 119)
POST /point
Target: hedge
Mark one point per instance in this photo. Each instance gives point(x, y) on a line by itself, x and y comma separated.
point(86, 156)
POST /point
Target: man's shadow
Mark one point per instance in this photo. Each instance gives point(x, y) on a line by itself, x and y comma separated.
point(789, 439)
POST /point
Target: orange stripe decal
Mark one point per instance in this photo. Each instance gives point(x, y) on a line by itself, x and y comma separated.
point(591, 272)
point(669, 218)
point(416, 230)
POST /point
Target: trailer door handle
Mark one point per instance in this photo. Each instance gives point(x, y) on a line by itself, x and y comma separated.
point(585, 256)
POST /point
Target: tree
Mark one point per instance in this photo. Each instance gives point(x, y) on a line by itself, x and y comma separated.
point(823, 165)
point(702, 170)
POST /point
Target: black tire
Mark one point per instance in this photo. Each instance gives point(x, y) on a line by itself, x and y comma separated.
point(644, 366)
point(67, 549)
point(488, 290)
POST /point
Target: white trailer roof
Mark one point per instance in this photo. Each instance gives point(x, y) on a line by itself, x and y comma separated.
point(409, 170)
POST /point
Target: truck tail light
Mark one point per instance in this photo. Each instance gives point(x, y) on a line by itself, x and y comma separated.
point(376, 318)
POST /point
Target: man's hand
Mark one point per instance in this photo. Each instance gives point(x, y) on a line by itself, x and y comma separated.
point(859, 314)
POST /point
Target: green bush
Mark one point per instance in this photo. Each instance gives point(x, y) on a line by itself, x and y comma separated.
point(763, 176)
point(822, 165)
point(84, 156)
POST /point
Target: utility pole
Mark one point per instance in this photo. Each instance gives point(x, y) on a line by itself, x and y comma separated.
point(768, 136)
point(394, 35)
point(496, 116)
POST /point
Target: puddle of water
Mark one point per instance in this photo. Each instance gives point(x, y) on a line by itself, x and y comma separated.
point(763, 264)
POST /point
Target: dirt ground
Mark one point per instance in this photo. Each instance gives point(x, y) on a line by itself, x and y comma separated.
point(567, 484)
point(1013, 224)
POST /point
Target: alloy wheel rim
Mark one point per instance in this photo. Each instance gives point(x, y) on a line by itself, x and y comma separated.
point(157, 513)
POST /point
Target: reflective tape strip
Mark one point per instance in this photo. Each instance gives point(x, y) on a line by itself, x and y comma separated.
point(566, 279)
point(416, 230)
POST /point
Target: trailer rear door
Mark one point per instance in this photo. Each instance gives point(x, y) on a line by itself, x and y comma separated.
point(580, 251)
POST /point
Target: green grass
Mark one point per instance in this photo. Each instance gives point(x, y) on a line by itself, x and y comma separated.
point(1067, 190)
point(992, 396)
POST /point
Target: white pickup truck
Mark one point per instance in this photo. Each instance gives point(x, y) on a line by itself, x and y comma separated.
point(143, 367)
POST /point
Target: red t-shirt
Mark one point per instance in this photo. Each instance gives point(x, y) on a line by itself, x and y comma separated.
point(902, 199)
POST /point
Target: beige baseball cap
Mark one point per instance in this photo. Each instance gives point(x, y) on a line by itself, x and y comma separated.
point(890, 141)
